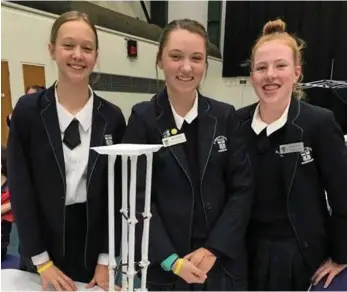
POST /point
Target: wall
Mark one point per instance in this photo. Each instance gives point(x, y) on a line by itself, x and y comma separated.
point(25, 33)
point(130, 8)
point(197, 10)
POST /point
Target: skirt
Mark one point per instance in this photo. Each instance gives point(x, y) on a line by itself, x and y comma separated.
point(277, 264)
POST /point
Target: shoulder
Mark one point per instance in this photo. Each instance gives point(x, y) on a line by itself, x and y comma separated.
point(245, 113)
point(145, 109)
point(28, 107)
point(313, 115)
point(219, 108)
point(108, 108)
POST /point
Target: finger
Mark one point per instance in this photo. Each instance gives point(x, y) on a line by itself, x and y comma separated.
point(44, 285)
point(330, 278)
point(188, 256)
point(103, 285)
point(196, 279)
point(320, 269)
point(68, 282)
point(197, 258)
point(65, 284)
point(91, 284)
point(198, 273)
point(56, 285)
point(320, 276)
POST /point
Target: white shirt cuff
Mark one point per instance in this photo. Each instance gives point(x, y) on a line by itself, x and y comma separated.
point(103, 259)
point(40, 258)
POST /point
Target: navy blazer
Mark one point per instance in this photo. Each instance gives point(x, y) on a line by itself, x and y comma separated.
point(225, 178)
point(37, 176)
point(322, 166)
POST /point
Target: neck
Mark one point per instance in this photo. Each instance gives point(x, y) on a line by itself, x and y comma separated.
point(73, 97)
point(272, 112)
point(182, 103)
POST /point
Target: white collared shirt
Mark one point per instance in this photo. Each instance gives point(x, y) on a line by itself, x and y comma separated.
point(258, 125)
point(189, 117)
point(76, 161)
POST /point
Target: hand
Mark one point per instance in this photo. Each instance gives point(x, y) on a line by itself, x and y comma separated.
point(101, 278)
point(190, 273)
point(330, 269)
point(57, 278)
point(203, 259)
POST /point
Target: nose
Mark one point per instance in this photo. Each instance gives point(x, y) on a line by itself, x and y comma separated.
point(271, 72)
point(187, 67)
point(77, 53)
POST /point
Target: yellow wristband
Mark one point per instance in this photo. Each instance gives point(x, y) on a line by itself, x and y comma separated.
point(45, 267)
point(178, 266)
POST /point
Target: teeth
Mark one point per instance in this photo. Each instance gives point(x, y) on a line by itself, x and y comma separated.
point(185, 78)
point(271, 87)
point(76, 67)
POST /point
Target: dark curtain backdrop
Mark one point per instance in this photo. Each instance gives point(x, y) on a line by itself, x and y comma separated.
point(322, 25)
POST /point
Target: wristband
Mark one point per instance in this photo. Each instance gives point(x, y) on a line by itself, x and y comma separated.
point(45, 267)
point(178, 266)
point(166, 265)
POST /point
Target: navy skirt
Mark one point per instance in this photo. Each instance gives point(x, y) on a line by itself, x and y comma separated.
point(277, 264)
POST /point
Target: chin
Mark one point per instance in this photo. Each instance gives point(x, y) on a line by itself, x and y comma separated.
point(74, 78)
point(185, 89)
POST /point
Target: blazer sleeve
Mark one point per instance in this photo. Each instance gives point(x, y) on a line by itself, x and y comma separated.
point(331, 155)
point(118, 134)
point(160, 245)
point(228, 235)
point(23, 201)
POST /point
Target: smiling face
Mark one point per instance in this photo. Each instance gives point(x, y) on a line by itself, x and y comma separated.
point(75, 51)
point(183, 61)
point(274, 72)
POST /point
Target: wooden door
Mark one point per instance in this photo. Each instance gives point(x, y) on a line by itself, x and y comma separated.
point(33, 75)
point(6, 102)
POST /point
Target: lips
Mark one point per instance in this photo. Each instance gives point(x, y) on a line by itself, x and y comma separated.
point(185, 78)
point(77, 67)
point(271, 87)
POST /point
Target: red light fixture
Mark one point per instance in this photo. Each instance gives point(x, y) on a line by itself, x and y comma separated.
point(132, 49)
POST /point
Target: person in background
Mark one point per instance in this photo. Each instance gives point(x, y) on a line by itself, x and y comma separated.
point(6, 213)
point(297, 153)
point(31, 89)
point(34, 88)
point(201, 183)
point(59, 185)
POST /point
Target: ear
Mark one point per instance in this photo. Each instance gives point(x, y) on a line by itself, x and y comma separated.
point(51, 49)
point(251, 77)
point(298, 71)
point(160, 64)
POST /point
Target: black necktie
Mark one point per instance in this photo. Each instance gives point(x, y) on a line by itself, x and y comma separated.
point(72, 135)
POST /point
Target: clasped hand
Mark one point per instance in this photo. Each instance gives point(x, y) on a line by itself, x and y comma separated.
point(196, 265)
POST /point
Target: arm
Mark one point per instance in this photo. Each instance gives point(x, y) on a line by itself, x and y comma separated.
point(23, 199)
point(160, 246)
point(331, 155)
point(228, 235)
point(5, 208)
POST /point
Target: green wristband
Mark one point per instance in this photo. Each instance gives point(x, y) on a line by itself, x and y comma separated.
point(168, 262)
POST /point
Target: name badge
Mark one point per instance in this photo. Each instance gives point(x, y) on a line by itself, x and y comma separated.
point(174, 140)
point(292, 148)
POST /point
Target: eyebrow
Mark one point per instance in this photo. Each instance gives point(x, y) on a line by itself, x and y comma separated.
point(72, 39)
point(179, 51)
point(265, 62)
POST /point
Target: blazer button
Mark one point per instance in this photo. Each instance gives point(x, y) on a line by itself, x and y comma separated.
point(293, 217)
point(305, 244)
point(208, 206)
